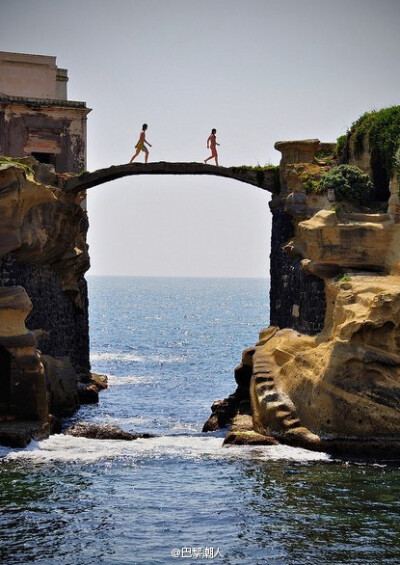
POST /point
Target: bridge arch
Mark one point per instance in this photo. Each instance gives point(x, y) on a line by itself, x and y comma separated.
point(264, 178)
point(185, 226)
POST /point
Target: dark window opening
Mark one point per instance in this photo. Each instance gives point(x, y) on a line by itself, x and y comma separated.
point(46, 158)
point(380, 179)
point(5, 378)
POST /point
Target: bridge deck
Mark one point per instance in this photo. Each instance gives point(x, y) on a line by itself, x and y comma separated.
point(262, 178)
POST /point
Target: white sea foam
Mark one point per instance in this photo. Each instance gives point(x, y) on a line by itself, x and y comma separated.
point(63, 448)
point(122, 421)
point(183, 427)
point(112, 356)
point(135, 357)
point(130, 380)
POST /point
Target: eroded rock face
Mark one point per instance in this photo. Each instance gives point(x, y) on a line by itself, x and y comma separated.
point(24, 410)
point(326, 391)
point(337, 389)
point(62, 386)
point(22, 376)
point(41, 224)
point(356, 241)
point(44, 349)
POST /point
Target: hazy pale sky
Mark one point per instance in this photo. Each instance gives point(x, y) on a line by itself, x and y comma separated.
point(258, 71)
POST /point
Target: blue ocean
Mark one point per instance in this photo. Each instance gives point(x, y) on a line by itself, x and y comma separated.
point(169, 347)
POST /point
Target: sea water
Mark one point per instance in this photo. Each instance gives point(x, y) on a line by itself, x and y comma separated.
point(169, 347)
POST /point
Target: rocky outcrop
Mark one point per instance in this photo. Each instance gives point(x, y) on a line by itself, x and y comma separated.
point(22, 377)
point(44, 344)
point(102, 431)
point(326, 374)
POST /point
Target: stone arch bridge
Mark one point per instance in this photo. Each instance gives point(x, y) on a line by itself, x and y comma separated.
point(45, 365)
point(264, 178)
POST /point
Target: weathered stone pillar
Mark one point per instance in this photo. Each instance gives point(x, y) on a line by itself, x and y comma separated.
point(23, 379)
point(301, 151)
point(297, 299)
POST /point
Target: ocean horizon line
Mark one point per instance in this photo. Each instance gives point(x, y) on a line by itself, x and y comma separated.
point(216, 277)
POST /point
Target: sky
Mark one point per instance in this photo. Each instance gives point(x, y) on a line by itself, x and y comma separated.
point(258, 71)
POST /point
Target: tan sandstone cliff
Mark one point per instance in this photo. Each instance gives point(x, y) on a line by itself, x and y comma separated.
point(337, 390)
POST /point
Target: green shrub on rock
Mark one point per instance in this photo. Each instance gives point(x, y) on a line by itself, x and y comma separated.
point(19, 163)
point(382, 130)
point(349, 183)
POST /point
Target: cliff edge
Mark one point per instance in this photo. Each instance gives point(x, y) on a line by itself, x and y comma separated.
point(326, 374)
point(44, 343)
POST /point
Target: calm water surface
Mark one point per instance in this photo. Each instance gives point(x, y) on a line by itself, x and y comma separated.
point(169, 347)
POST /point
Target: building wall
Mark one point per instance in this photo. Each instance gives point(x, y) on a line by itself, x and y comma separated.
point(35, 116)
point(28, 128)
point(30, 76)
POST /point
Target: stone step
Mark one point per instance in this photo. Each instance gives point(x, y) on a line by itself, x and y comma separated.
point(291, 423)
point(263, 378)
point(281, 414)
point(274, 406)
point(271, 397)
point(264, 389)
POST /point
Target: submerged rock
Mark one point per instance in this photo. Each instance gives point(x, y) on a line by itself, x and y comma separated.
point(102, 431)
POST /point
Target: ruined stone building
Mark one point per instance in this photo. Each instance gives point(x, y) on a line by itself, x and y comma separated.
point(36, 117)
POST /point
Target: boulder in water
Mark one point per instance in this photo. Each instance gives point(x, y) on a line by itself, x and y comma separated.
point(102, 431)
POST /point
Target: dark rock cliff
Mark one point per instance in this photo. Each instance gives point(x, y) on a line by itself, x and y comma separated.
point(59, 321)
point(44, 329)
point(291, 287)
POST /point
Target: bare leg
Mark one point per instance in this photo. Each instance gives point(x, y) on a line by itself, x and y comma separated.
point(146, 156)
point(134, 156)
point(213, 156)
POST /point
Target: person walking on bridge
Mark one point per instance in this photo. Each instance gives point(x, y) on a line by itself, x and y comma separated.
point(141, 145)
point(212, 144)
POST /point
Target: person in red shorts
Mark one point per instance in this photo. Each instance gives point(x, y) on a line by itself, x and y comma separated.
point(212, 144)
